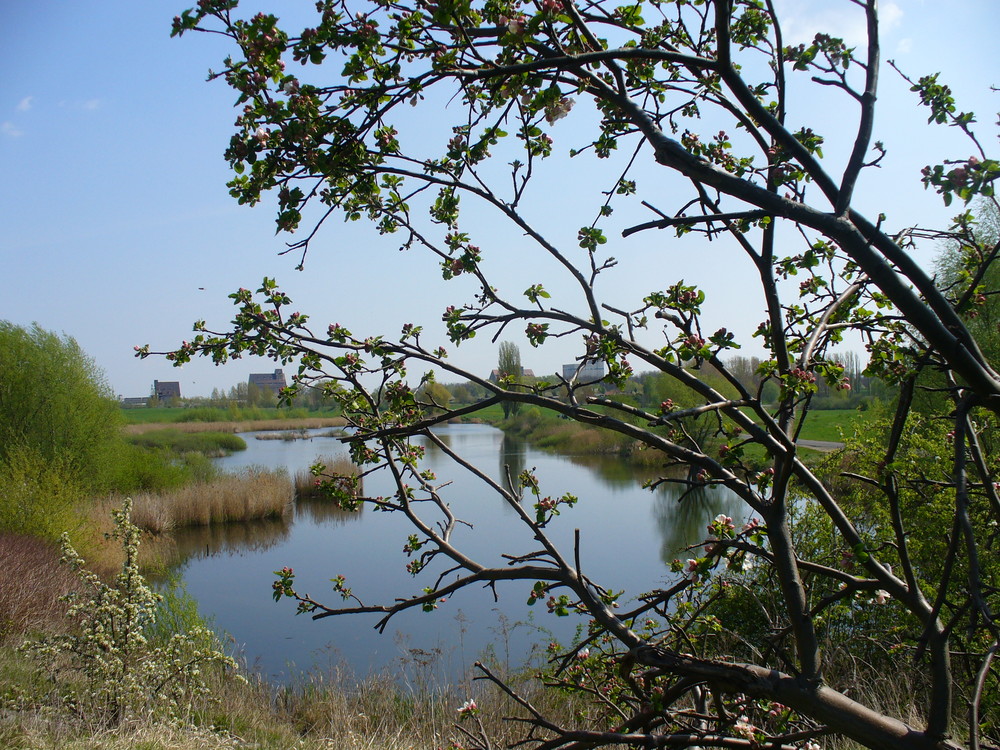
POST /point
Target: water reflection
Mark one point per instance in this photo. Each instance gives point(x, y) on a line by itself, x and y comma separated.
point(430, 447)
point(326, 512)
point(197, 542)
point(614, 472)
point(681, 519)
point(513, 460)
point(628, 537)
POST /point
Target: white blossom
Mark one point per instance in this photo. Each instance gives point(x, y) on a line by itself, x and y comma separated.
point(558, 110)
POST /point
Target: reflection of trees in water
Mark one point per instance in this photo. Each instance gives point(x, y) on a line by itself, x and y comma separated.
point(684, 523)
point(430, 447)
point(614, 471)
point(513, 456)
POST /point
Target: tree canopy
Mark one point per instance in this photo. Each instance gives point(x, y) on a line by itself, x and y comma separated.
point(54, 400)
point(684, 107)
point(510, 371)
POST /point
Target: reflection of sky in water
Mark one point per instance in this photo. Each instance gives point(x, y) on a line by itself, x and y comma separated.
point(626, 535)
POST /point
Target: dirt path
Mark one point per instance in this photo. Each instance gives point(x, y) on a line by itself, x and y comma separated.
point(823, 446)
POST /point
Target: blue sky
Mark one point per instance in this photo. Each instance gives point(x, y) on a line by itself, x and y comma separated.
point(115, 213)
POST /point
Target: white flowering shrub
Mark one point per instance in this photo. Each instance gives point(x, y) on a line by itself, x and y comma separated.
point(106, 668)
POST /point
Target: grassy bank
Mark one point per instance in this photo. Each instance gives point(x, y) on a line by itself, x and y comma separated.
point(322, 711)
point(551, 432)
point(832, 425)
point(211, 443)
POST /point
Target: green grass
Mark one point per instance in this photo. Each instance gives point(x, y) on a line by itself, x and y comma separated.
point(832, 425)
point(490, 414)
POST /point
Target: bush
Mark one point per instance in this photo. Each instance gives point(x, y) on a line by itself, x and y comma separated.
point(38, 494)
point(55, 402)
point(125, 676)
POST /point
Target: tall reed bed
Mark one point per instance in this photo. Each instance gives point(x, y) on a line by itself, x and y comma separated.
point(307, 486)
point(253, 495)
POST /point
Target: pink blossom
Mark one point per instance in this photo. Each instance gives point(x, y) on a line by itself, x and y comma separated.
point(744, 727)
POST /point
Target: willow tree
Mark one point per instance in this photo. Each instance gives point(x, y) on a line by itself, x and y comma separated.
point(684, 107)
point(509, 372)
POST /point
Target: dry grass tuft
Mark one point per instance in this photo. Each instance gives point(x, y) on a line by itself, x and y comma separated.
point(44, 733)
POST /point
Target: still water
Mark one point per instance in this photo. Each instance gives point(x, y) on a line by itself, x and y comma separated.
point(628, 537)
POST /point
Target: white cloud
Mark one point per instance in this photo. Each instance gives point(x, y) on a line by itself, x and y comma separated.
point(801, 20)
point(25, 104)
point(904, 46)
point(10, 129)
point(890, 16)
point(92, 104)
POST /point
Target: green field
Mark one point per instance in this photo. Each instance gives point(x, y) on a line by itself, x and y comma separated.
point(832, 425)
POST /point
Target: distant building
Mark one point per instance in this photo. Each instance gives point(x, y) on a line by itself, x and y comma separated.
point(590, 371)
point(134, 402)
point(495, 375)
point(166, 389)
point(268, 381)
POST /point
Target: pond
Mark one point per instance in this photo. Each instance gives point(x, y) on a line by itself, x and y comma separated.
point(628, 537)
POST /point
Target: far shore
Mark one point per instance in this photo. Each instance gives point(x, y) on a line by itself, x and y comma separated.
point(249, 425)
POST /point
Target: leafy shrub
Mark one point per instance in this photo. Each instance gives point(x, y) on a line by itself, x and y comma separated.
point(54, 400)
point(38, 494)
point(107, 669)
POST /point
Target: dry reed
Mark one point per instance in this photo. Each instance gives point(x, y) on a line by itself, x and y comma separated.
point(253, 495)
point(32, 582)
point(306, 487)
